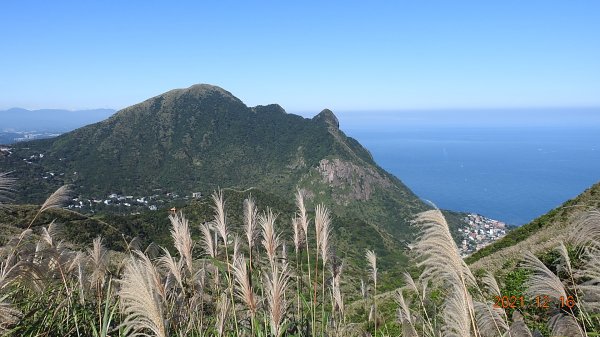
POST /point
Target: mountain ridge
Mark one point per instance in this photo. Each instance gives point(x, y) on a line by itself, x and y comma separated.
point(203, 137)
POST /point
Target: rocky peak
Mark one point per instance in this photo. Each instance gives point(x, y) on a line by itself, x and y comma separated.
point(328, 117)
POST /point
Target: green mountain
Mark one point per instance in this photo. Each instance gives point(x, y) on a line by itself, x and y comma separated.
point(540, 235)
point(201, 138)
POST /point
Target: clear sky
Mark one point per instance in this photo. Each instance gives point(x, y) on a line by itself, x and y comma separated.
point(347, 55)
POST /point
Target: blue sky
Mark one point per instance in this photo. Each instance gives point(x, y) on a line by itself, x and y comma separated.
point(366, 55)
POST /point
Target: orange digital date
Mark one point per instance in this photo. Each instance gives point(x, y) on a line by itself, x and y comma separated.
point(512, 302)
point(543, 302)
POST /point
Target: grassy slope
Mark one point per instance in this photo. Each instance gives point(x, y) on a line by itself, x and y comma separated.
point(538, 235)
point(350, 240)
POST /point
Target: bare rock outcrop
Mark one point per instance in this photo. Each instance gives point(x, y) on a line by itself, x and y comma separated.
point(349, 181)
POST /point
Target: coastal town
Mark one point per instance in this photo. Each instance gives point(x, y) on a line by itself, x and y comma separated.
point(128, 203)
point(478, 232)
point(11, 136)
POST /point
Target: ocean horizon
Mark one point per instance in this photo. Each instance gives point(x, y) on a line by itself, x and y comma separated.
point(501, 167)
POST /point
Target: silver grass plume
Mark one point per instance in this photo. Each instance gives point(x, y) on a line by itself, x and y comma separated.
point(490, 284)
point(439, 255)
point(298, 234)
point(208, 244)
point(564, 326)
point(412, 286)
point(236, 246)
point(270, 239)
point(284, 256)
point(49, 233)
point(25, 234)
point(318, 230)
point(490, 320)
point(591, 288)
point(372, 263)
point(10, 269)
point(182, 240)
point(364, 289)
point(405, 317)
point(142, 301)
point(456, 314)
point(564, 261)
point(98, 258)
point(322, 222)
point(439, 252)
point(410, 283)
point(543, 282)
point(302, 216)
point(56, 199)
point(518, 328)
point(152, 250)
point(250, 216)
point(587, 229)
point(78, 265)
point(134, 244)
point(223, 307)
point(220, 217)
point(275, 286)
point(243, 288)
point(336, 276)
point(174, 268)
point(404, 314)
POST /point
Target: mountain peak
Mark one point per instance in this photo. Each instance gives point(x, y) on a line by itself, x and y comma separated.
point(203, 89)
point(200, 91)
point(328, 117)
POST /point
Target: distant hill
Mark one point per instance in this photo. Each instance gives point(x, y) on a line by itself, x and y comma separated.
point(537, 236)
point(203, 137)
point(49, 120)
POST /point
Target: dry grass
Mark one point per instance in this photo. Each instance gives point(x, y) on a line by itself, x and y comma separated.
point(142, 297)
point(235, 287)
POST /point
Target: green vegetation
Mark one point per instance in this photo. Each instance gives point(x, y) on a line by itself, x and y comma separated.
point(562, 214)
point(256, 262)
point(271, 276)
point(202, 138)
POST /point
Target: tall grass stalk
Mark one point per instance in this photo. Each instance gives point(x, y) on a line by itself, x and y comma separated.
point(304, 222)
point(220, 222)
point(372, 263)
point(323, 220)
point(439, 255)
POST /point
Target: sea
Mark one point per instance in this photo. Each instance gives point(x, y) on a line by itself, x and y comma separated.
point(511, 165)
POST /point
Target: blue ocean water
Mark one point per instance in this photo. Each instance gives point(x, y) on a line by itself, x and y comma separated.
point(501, 170)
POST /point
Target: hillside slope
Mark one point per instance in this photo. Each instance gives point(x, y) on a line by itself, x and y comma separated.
point(537, 236)
point(351, 236)
point(203, 137)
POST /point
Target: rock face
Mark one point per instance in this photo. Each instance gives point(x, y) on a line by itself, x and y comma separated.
point(359, 182)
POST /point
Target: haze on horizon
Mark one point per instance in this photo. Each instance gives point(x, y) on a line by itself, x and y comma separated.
point(305, 57)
